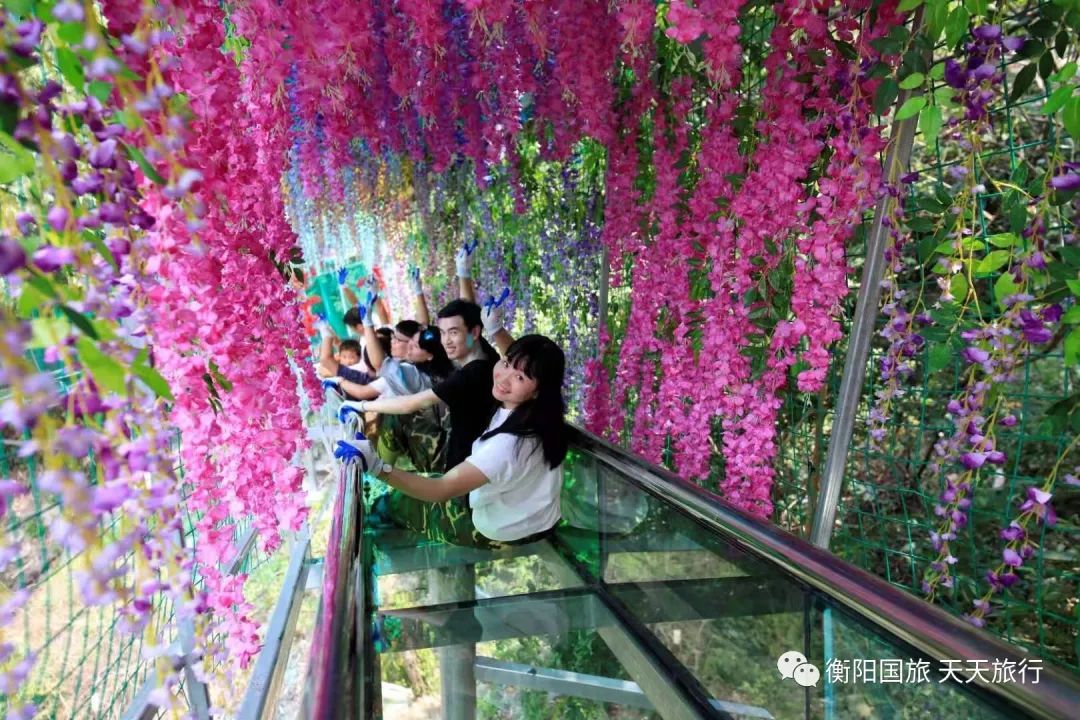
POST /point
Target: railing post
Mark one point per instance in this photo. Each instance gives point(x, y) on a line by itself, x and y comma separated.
point(897, 159)
point(457, 663)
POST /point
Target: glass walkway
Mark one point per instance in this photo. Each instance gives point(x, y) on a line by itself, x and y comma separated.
point(651, 600)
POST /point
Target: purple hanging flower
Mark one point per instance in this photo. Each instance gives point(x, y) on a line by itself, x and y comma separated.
point(1038, 502)
point(975, 354)
point(1012, 558)
point(12, 256)
point(1067, 182)
point(49, 257)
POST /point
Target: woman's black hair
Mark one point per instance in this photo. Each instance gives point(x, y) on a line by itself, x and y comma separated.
point(542, 417)
point(439, 367)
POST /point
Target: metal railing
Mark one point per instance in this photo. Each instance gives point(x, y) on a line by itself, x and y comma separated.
point(335, 684)
point(334, 680)
point(921, 625)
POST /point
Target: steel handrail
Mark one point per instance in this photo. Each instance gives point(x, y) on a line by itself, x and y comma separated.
point(330, 691)
point(926, 627)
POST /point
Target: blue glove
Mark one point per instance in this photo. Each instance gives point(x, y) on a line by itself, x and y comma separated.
point(494, 315)
point(414, 280)
point(342, 276)
point(331, 383)
point(359, 450)
point(464, 260)
point(351, 406)
point(367, 309)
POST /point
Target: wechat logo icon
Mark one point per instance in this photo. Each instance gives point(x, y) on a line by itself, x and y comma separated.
point(793, 665)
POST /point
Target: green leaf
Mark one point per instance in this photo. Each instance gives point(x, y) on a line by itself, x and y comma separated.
point(48, 331)
point(103, 249)
point(1072, 317)
point(937, 15)
point(107, 372)
point(136, 154)
point(153, 380)
point(937, 72)
point(1004, 287)
point(1061, 43)
point(1046, 66)
point(80, 321)
point(993, 261)
point(1072, 347)
point(72, 33)
point(1057, 99)
point(912, 81)
point(1004, 240)
point(958, 287)
point(1065, 74)
point(15, 160)
point(1031, 49)
point(885, 96)
point(911, 107)
point(101, 90)
point(1023, 81)
point(930, 125)
point(1074, 287)
point(906, 5)
point(30, 299)
point(70, 67)
point(956, 26)
point(945, 96)
point(1070, 115)
point(939, 357)
point(977, 7)
point(1043, 28)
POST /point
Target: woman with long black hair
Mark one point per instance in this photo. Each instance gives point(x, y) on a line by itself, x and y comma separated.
point(513, 475)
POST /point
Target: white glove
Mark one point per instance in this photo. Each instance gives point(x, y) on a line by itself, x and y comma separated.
point(464, 260)
point(324, 329)
point(414, 281)
point(360, 450)
point(494, 318)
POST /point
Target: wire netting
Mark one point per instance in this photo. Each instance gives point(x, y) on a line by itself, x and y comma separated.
point(887, 505)
point(85, 665)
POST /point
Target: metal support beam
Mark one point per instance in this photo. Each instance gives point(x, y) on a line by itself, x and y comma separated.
point(261, 696)
point(456, 662)
point(897, 160)
point(587, 687)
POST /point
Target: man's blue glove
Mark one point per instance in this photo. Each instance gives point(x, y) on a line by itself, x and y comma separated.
point(342, 276)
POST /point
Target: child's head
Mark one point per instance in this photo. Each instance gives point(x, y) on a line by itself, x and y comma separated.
point(349, 352)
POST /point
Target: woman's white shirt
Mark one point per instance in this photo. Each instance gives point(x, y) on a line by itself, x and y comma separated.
point(521, 497)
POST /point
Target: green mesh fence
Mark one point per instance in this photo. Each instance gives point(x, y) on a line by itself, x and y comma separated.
point(86, 667)
point(886, 510)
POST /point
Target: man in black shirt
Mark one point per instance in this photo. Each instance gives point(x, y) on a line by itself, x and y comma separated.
point(466, 393)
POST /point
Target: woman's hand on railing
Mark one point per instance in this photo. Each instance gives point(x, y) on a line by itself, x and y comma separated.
point(352, 406)
point(359, 450)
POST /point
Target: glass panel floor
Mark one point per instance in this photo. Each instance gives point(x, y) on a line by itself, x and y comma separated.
point(672, 623)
